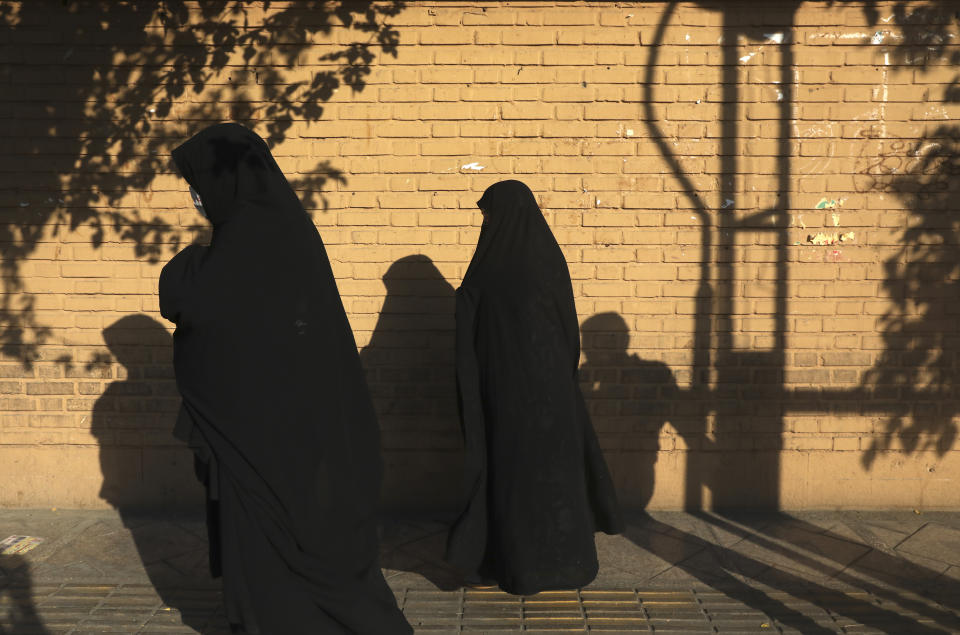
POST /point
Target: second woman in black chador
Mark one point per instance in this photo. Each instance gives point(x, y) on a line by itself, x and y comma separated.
point(537, 486)
point(274, 403)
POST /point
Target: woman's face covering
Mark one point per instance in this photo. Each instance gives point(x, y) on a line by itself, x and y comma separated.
point(196, 201)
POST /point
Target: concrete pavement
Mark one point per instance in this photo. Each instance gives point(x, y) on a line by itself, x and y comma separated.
point(824, 572)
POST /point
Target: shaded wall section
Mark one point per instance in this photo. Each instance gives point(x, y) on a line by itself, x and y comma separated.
point(757, 205)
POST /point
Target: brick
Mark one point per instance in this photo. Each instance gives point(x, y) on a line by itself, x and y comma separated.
point(568, 129)
point(569, 56)
point(446, 35)
point(446, 75)
point(846, 444)
point(528, 36)
point(807, 376)
point(847, 358)
point(568, 93)
point(653, 200)
point(490, 16)
point(445, 148)
point(849, 324)
point(608, 35)
point(448, 182)
point(607, 289)
point(486, 93)
point(51, 388)
point(83, 270)
point(569, 16)
point(804, 443)
point(363, 111)
point(607, 254)
point(449, 219)
point(699, 76)
point(607, 148)
point(403, 200)
point(458, 112)
point(11, 387)
point(526, 111)
point(570, 165)
point(664, 272)
point(16, 403)
point(398, 93)
point(802, 424)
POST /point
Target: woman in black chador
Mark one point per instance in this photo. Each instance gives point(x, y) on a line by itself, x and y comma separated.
point(537, 485)
point(274, 403)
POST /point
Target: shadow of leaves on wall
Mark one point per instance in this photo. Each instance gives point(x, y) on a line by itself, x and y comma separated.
point(97, 93)
point(918, 369)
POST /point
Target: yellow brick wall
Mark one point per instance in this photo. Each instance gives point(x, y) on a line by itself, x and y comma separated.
point(756, 201)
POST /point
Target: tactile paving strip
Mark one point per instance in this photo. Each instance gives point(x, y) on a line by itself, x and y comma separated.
point(494, 611)
point(81, 609)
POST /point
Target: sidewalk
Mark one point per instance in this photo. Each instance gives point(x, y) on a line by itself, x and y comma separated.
point(895, 572)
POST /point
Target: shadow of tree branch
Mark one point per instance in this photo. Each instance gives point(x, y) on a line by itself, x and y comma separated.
point(97, 114)
point(918, 366)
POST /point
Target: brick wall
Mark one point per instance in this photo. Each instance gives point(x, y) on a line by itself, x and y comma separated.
point(754, 200)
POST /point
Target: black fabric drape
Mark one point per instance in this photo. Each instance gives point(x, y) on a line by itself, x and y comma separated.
point(537, 486)
point(275, 403)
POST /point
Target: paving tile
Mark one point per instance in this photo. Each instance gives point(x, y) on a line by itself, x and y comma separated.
point(934, 541)
point(678, 577)
point(896, 571)
point(875, 536)
point(418, 548)
point(196, 526)
point(193, 564)
point(948, 581)
point(646, 563)
point(708, 527)
point(726, 563)
point(428, 547)
point(104, 549)
point(407, 579)
point(161, 540)
point(905, 522)
point(610, 576)
point(811, 557)
point(657, 549)
point(825, 545)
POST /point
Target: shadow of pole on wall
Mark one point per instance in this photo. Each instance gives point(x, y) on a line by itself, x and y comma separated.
point(736, 384)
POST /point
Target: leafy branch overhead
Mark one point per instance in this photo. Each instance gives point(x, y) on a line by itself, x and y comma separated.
point(124, 83)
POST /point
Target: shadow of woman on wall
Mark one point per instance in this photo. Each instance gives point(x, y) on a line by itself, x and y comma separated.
point(409, 363)
point(147, 472)
point(629, 400)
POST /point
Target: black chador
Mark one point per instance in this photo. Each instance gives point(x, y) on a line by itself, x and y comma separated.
point(274, 403)
point(537, 486)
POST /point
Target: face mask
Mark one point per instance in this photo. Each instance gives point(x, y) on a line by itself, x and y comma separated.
point(197, 202)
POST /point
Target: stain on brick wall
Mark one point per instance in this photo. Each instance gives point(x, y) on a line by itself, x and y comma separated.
point(757, 204)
